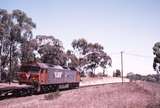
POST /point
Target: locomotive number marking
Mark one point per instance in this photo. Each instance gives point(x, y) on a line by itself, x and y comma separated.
point(58, 74)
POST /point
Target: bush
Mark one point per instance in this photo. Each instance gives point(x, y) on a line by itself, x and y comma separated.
point(150, 78)
point(82, 74)
point(134, 77)
point(52, 96)
point(117, 73)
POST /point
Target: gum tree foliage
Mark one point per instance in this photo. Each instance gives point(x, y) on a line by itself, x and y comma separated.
point(156, 61)
point(72, 60)
point(15, 30)
point(80, 47)
point(90, 55)
point(27, 51)
point(80, 50)
point(51, 50)
point(96, 57)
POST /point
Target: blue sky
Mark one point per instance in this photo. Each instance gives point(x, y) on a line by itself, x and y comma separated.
point(131, 26)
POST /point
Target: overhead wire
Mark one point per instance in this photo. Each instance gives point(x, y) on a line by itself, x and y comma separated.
point(131, 54)
point(139, 55)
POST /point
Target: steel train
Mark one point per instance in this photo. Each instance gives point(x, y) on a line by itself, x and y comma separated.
point(42, 78)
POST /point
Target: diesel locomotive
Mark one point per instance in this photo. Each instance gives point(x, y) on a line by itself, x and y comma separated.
point(47, 77)
point(38, 77)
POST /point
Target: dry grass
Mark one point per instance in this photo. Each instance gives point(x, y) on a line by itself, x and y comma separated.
point(129, 95)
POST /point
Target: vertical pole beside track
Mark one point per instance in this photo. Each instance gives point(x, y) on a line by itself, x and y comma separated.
point(122, 66)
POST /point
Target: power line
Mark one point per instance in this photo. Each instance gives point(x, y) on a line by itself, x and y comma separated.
point(131, 54)
point(139, 55)
point(113, 53)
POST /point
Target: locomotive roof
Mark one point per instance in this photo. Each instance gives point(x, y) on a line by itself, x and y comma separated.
point(46, 66)
point(42, 65)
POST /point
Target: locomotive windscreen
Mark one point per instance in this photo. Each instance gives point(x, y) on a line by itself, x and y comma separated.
point(29, 69)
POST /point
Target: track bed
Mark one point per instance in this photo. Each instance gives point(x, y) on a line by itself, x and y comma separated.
point(14, 89)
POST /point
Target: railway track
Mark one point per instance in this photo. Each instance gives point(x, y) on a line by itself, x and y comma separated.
point(27, 91)
point(93, 85)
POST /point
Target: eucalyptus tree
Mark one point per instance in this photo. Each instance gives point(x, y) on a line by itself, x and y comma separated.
point(156, 61)
point(90, 55)
point(27, 51)
point(72, 60)
point(15, 29)
point(97, 57)
point(80, 47)
point(105, 61)
point(51, 50)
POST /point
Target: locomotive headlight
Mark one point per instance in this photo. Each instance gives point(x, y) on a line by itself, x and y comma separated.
point(35, 78)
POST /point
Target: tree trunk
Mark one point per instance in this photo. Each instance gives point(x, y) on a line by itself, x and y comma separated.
point(103, 72)
point(10, 64)
point(158, 78)
point(93, 72)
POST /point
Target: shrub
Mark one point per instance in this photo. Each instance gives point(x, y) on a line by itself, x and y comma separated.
point(51, 96)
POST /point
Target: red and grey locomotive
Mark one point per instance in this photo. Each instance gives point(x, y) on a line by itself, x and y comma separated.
point(47, 77)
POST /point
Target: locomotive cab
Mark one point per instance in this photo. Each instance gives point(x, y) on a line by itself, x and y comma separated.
point(28, 74)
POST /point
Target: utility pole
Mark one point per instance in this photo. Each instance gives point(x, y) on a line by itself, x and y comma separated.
point(122, 66)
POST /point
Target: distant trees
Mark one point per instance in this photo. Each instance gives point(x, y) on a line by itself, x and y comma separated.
point(151, 78)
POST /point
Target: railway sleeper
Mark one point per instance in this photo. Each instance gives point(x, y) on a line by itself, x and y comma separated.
point(23, 92)
point(48, 88)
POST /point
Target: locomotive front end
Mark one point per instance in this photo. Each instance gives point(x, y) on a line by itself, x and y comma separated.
point(28, 74)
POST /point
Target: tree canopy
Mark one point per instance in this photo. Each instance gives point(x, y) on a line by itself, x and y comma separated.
point(91, 56)
point(15, 30)
point(51, 50)
point(156, 61)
